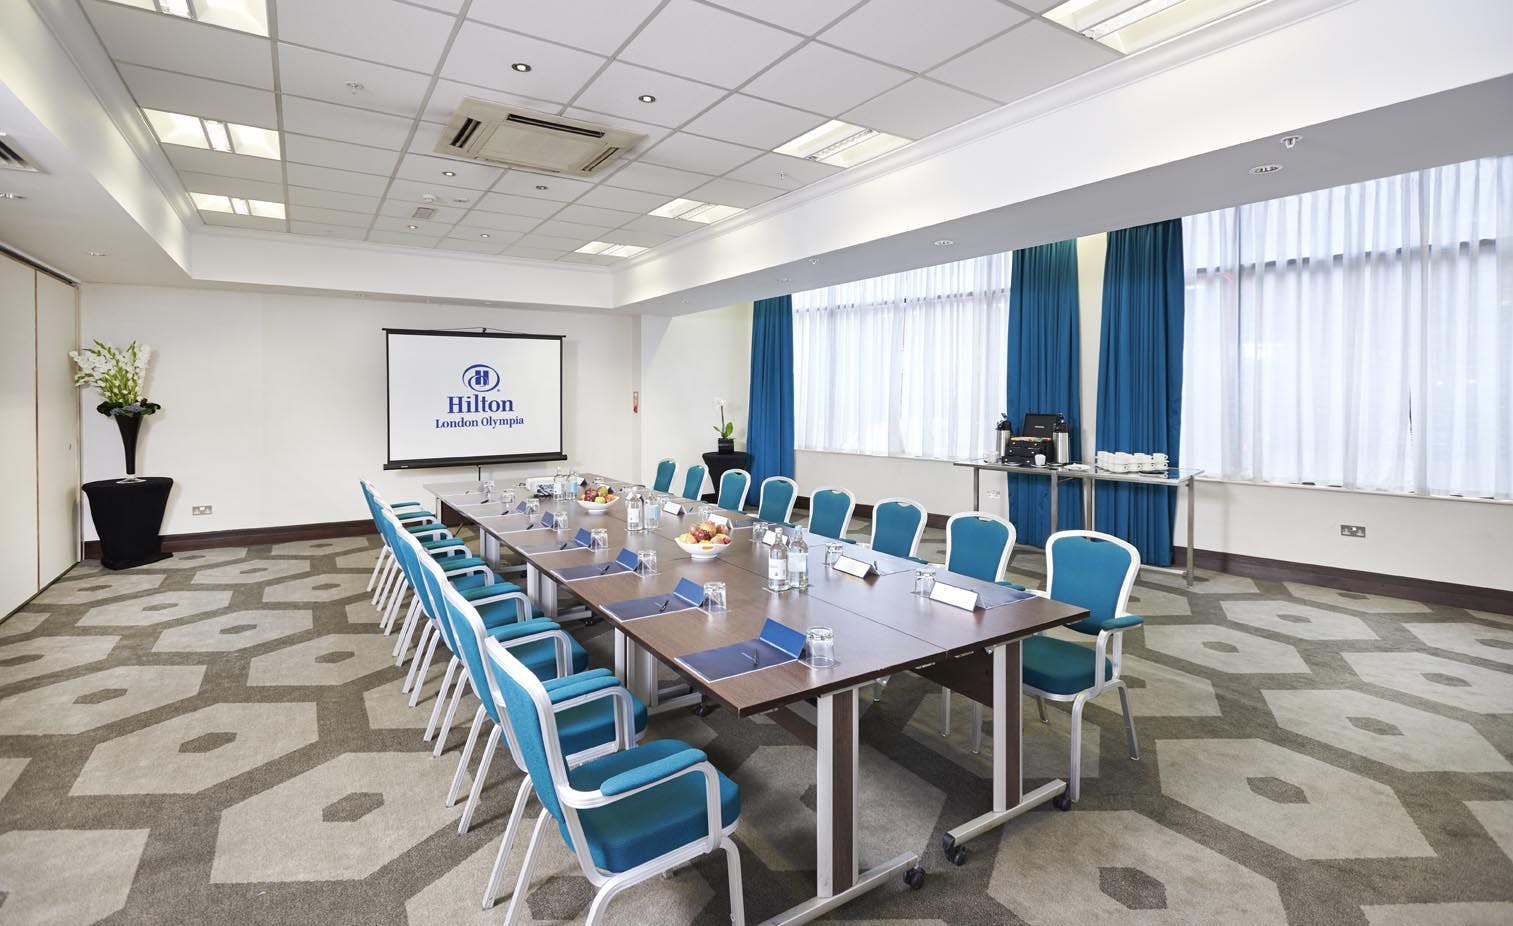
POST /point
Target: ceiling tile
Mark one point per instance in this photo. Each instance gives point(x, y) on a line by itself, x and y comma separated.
point(663, 226)
point(343, 181)
point(475, 244)
point(224, 164)
point(637, 237)
point(343, 123)
point(405, 209)
point(185, 46)
point(328, 231)
point(469, 175)
point(323, 76)
point(518, 205)
point(615, 91)
point(447, 95)
point(532, 253)
point(324, 152)
point(1024, 60)
point(541, 186)
point(232, 186)
point(650, 178)
point(499, 223)
point(825, 80)
point(735, 193)
point(593, 215)
point(197, 96)
point(599, 259)
point(609, 197)
point(600, 26)
point(316, 215)
point(570, 229)
point(918, 108)
point(754, 122)
point(330, 199)
point(554, 242)
point(653, 133)
point(806, 16)
point(918, 36)
point(233, 220)
point(422, 229)
point(447, 6)
point(500, 236)
point(482, 55)
point(1038, 6)
point(708, 44)
point(405, 239)
point(780, 170)
point(416, 192)
point(697, 153)
point(397, 34)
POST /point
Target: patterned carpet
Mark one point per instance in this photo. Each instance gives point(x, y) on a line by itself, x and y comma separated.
point(220, 738)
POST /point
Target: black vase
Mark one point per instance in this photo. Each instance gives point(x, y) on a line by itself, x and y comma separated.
point(130, 425)
point(725, 445)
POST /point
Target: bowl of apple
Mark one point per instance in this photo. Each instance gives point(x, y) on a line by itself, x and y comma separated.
point(596, 499)
point(705, 540)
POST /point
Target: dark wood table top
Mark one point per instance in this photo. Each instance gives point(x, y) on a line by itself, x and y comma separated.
point(880, 626)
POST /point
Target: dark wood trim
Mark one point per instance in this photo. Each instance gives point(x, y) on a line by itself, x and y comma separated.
point(1353, 580)
point(250, 536)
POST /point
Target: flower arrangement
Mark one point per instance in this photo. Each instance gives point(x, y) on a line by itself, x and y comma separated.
point(118, 374)
point(725, 428)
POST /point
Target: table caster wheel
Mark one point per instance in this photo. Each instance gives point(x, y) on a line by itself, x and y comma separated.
point(1062, 801)
point(957, 855)
point(591, 620)
point(704, 709)
point(915, 878)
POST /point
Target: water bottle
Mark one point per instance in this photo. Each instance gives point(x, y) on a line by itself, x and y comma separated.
point(798, 562)
point(777, 568)
point(635, 508)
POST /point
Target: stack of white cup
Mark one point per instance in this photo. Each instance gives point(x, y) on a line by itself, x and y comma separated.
point(1120, 462)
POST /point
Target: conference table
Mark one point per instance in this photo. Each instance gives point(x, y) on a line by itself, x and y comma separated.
point(881, 628)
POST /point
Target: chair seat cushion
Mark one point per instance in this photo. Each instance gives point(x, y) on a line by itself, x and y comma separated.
point(412, 514)
point(462, 562)
point(593, 724)
point(443, 544)
point(499, 613)
point(540, 656)
point(475, 592)
point(1060, 666)
point(639, 828)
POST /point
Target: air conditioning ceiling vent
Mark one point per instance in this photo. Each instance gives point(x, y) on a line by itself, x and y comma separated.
point(509, 136)
point(11, 157)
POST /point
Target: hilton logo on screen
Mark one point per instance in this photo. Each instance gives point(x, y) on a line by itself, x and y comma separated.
point(492, 412)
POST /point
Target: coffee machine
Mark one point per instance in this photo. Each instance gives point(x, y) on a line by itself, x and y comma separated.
point(1043, 434)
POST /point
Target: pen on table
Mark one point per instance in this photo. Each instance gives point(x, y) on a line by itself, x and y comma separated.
point(665, 603)
point(755, 660)
point(606, 568)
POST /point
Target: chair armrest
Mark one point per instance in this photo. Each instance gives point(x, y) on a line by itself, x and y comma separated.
point(597, 689)
point(556, 634)
point(651, 773)
point(1122, 623)
point(429, 531)
point(919, 559)
point(523, 606)
point(1014, 585)
point(552, 684)
point(579, 687)
point(404, 504)
point(509, 633)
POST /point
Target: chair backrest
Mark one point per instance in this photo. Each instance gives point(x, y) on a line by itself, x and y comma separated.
point(1093, 571)
point(777, 498)
point(693, 482)
point(897, 524)
point(531, 721)
point(412, 559)
point(978, 544)
point(829, 511)
point(665, 469)
point(735, 485)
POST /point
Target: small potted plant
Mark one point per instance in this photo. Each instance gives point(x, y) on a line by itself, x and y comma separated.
point(725, 428)
point(119, 375)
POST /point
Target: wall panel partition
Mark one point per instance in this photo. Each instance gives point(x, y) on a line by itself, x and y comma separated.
point(18, 422)
point(57, 429)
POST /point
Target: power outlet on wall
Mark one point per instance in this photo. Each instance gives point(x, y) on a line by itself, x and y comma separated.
point(1352, 530)
point(200, 509)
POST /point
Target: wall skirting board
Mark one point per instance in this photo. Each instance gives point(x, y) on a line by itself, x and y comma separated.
point(206, 540)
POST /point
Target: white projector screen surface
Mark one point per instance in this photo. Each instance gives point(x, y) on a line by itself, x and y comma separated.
point(462, 398)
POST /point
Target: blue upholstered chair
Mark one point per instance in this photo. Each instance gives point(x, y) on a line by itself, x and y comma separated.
point(1093, 571)
point(735, 485)
point(897, 525)
point(384, 582)
point(628, 816)
point(693, 482)
point(776, 500)
point(665, 469)
point(978, 544)
point(829, 512)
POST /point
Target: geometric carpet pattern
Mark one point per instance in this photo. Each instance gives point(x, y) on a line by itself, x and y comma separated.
point(220, 738)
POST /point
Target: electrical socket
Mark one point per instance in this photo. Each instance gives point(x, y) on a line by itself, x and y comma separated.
point(1352, 530)
point(200, 509)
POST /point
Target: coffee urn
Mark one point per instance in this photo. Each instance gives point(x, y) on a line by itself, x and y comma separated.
point(1002, 433)
point(1062, 438)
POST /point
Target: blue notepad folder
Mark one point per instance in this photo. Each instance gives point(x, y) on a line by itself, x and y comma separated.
point(581, 540)
point(687, 595)
point(777, 644)
point(624, 561)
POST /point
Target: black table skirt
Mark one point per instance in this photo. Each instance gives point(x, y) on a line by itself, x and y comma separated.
point(720, 463)
point(128, 517)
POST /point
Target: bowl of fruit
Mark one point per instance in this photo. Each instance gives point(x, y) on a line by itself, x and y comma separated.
point(596, 499)
point(705, 540)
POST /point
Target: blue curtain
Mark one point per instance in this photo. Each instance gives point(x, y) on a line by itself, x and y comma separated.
point(769, 429)
point(1140, 379)
point(1043, 376)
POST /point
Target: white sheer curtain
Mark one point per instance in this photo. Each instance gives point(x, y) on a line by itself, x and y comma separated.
point(1358, 336)
point(909, 364)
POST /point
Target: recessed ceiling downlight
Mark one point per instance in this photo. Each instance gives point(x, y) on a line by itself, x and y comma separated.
point(12, 195)
point(1266, 168)
point(521, 66)
point(944, 242)
point(647, 98)
point(98, 253)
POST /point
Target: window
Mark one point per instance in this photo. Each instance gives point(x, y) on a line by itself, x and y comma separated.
point(1359, 336)
point(909, 364)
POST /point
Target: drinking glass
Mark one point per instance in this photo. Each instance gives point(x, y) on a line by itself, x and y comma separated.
point(820, 648)
point(653, 512)
point(648, 562)
point(924, 580)
point(705, 511)
point(508, 497)
point(532, 507)
point(833, 553)
point(600, 538)
point(714, 596)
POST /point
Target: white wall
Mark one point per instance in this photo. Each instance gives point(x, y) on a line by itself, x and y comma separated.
point(686, 362)
point(273, 405)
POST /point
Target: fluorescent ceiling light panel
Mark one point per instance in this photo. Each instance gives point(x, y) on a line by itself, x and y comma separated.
point(593, 247)
point(841, 144)
point(691, 210)
point(236, 205)
point(241, 15)
point(606, 249)
point(194, 132)
point(1131, 25)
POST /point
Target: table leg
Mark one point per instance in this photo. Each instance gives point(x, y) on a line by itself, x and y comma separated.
point(546, 595)
point(491, 550)
point(1055, 497)
point(838, 879)
point(1089, 490)
point(1192, 498)
point(976, 489)
point(1009, 799)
